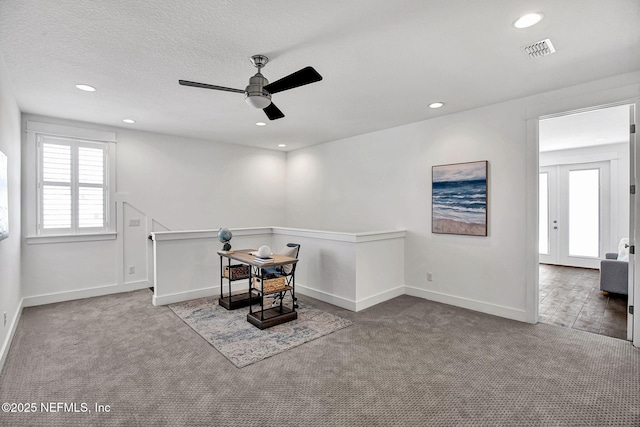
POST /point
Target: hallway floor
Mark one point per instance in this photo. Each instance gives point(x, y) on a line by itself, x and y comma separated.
point(571, 297)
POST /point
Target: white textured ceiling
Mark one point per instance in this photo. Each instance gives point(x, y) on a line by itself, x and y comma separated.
point(382, 61)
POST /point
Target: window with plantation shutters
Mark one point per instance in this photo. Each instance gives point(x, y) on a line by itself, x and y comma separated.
point(72, 186)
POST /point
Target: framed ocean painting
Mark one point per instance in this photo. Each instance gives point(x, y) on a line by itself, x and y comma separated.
point(4, 199)
point(459, 199)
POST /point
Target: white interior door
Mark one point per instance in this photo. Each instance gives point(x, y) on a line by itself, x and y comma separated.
point(577, 222)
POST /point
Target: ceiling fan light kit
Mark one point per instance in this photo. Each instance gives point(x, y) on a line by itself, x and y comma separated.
point(255, 95)
point(258, 92)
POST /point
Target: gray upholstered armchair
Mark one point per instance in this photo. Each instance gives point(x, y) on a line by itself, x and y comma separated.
point(614, 275)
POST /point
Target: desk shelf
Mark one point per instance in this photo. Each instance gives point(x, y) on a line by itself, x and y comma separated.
point(274, 290)
point(233, 273)
point(237, 300)
point(270, 284)
point(272, 316)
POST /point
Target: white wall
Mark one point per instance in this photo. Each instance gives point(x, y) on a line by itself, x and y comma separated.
point(351, 270)
point(10, 257)
point(618, 156)
point(189, 184)
point(178, 182)
point(382, 180)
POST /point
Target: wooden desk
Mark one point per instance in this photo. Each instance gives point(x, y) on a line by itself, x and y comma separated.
point(264, 318)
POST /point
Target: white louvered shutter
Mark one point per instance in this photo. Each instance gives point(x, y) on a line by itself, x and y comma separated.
point(73, 186)
point(91, 188)
point(56, 186)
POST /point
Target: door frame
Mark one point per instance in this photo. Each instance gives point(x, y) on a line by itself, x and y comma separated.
point(633, 321)
point(577, 104)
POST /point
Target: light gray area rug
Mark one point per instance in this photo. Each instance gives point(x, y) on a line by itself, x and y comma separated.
point(404, 362)
point(241, 342)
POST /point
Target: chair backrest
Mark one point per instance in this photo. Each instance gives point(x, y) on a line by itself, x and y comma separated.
point(293, 268)
point(294, 245)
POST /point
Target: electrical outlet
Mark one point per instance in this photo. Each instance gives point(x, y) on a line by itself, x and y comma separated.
point(429, 277)
point(134, 223)
point(132, 270)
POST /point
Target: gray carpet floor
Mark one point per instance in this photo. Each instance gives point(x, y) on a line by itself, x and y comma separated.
point(405, 362)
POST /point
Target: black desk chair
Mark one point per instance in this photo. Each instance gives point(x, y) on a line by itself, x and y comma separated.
point(286, 271)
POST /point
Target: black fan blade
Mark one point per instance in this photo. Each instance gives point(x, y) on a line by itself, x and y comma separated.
point(273, 112)
point(206, 86)
point(299, 78)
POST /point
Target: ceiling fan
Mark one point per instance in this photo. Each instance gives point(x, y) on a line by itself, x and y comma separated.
point(258, 92)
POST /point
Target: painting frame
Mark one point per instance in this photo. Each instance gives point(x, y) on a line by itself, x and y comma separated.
point(4, 198)
point(459, 198)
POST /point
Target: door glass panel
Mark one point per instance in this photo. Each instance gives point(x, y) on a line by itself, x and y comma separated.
point(584, 212)
point(544, 213)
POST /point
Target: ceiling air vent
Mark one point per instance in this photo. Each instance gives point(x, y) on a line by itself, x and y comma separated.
point(539, 49)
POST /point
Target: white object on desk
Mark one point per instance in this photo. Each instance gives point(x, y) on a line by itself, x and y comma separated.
point(264, 251)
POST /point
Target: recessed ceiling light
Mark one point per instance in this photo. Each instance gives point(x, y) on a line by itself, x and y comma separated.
point(282, 145)
point(528, 20)
point(436, 104)
point(261, 124)
point(130, 121)
point(86, 88)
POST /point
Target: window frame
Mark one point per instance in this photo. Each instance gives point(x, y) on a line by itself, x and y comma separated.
point(35, 133)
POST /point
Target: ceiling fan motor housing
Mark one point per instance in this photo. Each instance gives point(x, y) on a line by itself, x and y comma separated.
point(255, 94)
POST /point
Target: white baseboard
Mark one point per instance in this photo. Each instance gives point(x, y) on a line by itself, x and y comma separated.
point(184, 296)
point(197, 293)
point(475, 305)
point(4, 351)
point(350, 304)
point(326, 297)
point(84, 293)
point(367, 302)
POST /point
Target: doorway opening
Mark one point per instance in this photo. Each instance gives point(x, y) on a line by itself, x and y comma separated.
point(584, 213)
